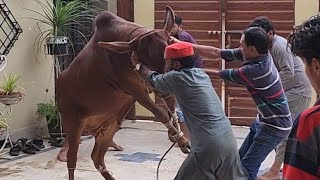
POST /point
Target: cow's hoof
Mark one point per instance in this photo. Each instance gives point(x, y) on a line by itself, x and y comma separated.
point(62, 156)
point(118, 148)
point(186, 148)
point(107, 176)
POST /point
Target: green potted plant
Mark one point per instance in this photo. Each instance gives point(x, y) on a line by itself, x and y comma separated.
point(3, 123)
point(61, 19)
point(3, 129)
point(9, 94)
point(50, 111)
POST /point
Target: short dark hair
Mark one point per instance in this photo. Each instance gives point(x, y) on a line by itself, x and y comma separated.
point(186, 62)
point(258, 38)
point(178, 20)
point(305, 39)
point(264, 22)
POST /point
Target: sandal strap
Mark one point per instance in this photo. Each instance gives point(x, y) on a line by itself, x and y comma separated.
point(23, 141)
point(30, 144)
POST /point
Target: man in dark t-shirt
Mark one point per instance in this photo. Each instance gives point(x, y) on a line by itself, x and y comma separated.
point(182, 35)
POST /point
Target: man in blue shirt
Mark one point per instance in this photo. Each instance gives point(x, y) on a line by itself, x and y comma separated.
point(214, 152)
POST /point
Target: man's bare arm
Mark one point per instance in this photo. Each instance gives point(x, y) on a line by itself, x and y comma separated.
point(202, 50)
point(211, 71)
point(207, 51)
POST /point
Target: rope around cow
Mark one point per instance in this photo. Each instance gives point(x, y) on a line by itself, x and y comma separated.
point(169, 125)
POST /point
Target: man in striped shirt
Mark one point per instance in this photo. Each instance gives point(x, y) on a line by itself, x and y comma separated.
point(295, 83)
point(260, 76)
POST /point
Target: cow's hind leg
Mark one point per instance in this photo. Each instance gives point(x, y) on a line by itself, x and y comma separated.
point(73, 127)
point(102, 143)
point(115, 146)
point(62, 156)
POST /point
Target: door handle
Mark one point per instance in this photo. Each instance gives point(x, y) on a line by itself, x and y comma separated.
point(228, 39)
point(214, 32)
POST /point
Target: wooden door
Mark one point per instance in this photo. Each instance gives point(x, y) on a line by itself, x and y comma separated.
point(125, 9)
point(202, 19)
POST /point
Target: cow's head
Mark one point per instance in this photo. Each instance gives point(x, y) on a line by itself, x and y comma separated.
point(148, 46)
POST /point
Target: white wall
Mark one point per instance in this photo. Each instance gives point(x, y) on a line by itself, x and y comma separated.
point(35, 75)
point(144, 12)
point(303, 12)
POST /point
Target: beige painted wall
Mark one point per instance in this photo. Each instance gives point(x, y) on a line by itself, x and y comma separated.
point(144, 12)
point(305, 9)
point(112, 6)
point(144, 15)
point(35, 74)
point(303, 12)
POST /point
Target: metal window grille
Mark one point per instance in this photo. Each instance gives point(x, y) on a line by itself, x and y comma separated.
point(9, 29)
point(78, 41)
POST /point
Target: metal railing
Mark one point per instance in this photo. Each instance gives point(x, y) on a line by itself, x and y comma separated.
point(9, 29)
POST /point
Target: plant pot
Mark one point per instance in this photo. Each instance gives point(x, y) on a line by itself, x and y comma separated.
point(58, 46)
point(54, 128)
point(10, 99)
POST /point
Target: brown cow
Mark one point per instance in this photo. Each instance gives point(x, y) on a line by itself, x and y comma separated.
point(100, 86)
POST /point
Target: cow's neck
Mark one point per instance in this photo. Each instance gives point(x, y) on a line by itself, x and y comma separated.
point(120, 33)
point(113, 28)
point(137, 31)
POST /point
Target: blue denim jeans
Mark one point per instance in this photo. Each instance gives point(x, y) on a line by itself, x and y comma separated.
point(256, 147)
point(179, 113)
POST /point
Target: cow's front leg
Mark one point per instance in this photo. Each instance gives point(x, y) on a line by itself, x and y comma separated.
point(143, 98)
point(169, 104)
point(163, 116)
point(137, 89)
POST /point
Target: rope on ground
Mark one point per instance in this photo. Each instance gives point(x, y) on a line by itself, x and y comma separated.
point(158, 171)
point(176, 140)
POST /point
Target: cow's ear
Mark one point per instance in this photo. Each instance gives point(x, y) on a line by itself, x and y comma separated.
point(169, 20)
point(118, 47)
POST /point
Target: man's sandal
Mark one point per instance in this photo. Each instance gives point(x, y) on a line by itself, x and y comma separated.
point(15, 150)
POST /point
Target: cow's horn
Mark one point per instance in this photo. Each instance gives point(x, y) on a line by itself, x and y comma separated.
point(169, 20)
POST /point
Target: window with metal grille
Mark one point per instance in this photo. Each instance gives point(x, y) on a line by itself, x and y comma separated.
point(78, 40)
point(9, 29)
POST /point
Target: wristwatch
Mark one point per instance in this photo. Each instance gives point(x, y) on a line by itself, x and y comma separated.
point(138, 66)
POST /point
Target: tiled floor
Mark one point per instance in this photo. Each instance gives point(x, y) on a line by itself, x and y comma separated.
point(144, 144)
